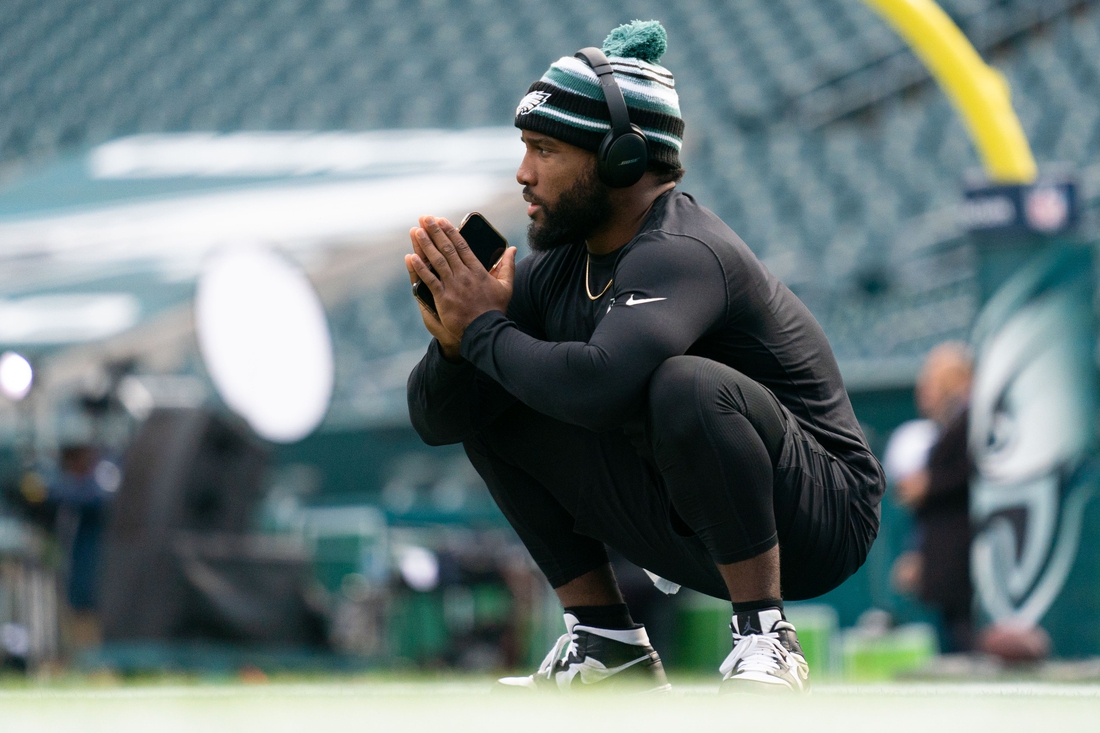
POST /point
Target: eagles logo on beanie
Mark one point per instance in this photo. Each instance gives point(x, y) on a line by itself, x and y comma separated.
point(567, 103)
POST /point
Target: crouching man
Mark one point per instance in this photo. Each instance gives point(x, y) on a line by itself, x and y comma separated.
point(642, 381)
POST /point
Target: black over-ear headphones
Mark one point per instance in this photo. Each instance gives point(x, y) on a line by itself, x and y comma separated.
point(624, 152)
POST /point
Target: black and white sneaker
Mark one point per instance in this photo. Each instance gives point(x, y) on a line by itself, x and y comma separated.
point(607, 659)
point(766, 656)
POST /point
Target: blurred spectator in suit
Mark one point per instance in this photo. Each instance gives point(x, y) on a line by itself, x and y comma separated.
point(939, 569)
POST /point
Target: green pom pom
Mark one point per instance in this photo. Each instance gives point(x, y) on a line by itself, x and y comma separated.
point(645, 40)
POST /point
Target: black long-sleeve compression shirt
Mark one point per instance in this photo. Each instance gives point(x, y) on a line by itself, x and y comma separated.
point(685, 284)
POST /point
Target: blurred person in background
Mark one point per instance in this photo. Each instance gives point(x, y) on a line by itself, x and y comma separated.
point(79, 497)
point(906, 460)
point(938, 570)
point(642, 380)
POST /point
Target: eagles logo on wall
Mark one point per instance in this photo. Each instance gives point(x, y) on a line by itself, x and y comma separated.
point(1032, 435)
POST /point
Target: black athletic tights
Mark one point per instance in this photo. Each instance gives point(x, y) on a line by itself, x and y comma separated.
point(691, 487)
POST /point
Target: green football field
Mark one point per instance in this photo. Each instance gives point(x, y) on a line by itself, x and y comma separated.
point(464, 704)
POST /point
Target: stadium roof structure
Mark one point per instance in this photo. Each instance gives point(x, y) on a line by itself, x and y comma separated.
point(146, 210)
point(102, 250)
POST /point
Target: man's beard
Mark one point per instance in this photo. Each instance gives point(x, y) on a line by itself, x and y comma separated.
point(579, 212)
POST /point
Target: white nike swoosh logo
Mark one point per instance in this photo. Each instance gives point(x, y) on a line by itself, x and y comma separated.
point(591, 671)
point(632, 301)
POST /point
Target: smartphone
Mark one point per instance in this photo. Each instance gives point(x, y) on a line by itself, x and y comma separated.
point(487, 244)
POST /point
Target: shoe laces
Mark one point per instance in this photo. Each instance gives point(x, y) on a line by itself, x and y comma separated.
point(562, 648)
point(756, 653)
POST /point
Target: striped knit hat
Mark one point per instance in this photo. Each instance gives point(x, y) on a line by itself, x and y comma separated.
point(567, 103)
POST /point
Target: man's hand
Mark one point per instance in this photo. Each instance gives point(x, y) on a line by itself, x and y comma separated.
point(906, 574)
point(462, 287)
point(913, 490)
point(448, 343)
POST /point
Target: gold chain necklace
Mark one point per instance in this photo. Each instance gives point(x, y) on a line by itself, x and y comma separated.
point(587, 290)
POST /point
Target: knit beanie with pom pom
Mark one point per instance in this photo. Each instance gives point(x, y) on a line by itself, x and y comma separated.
point(567, 103)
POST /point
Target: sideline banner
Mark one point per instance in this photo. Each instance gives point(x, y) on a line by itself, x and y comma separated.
point(1034, 438)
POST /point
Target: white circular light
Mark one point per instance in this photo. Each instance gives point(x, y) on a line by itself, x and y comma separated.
point(16, 375)
point(419, 568)
point(265, 341)
point(108, 475)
